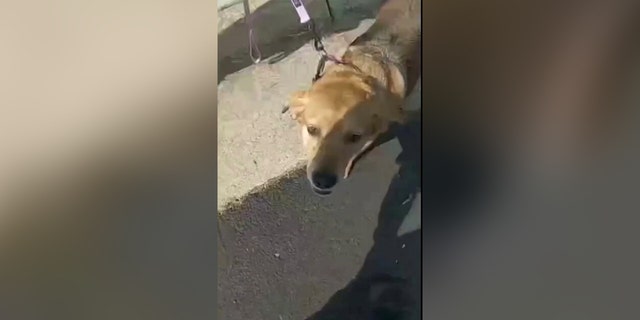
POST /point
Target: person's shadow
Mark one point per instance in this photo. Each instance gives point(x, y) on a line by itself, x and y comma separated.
point(278, 33)
point(388, 286)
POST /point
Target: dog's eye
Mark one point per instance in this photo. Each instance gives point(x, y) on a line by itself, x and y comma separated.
point(353, 137)
point(313, 131)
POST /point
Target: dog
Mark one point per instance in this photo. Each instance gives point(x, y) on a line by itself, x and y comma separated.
point(357, 99)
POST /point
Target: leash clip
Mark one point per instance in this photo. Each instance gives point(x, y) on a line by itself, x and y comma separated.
point(317, 38)
point(319, 47)
point(320, 68)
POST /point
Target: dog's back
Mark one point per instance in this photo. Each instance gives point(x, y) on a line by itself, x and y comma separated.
point(397, 30)
point(398, 22)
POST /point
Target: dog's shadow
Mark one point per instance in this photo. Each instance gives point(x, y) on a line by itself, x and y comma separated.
point(388, 286)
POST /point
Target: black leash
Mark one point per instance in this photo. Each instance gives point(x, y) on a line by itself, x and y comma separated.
point(319, 47)
point(324, 56)
point(298, 5)
point(317, 42)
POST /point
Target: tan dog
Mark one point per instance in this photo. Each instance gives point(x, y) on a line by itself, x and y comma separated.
point(355, 101)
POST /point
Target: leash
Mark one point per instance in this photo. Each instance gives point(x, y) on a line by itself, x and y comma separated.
point(254, 49)
point(317, 38)
point(318, 46)
point(324, 55)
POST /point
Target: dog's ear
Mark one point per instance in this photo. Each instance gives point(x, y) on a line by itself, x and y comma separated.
point(297, 103)
point(396, 94)
point(398, 86)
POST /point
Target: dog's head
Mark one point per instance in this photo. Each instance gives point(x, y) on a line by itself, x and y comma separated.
point(340, 115)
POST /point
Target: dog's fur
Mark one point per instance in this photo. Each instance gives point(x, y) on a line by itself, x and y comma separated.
point(353, 103)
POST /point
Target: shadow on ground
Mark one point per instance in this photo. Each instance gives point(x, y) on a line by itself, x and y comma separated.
point(278, 31)
point(286, 248)
point(388, 286)
point(319, 244)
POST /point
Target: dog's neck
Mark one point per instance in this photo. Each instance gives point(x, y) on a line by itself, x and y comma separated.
point(376, 62)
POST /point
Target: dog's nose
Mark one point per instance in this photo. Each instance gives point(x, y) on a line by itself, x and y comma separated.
point(323, 180)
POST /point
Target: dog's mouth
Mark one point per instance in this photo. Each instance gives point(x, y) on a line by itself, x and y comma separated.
point(321, 192)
